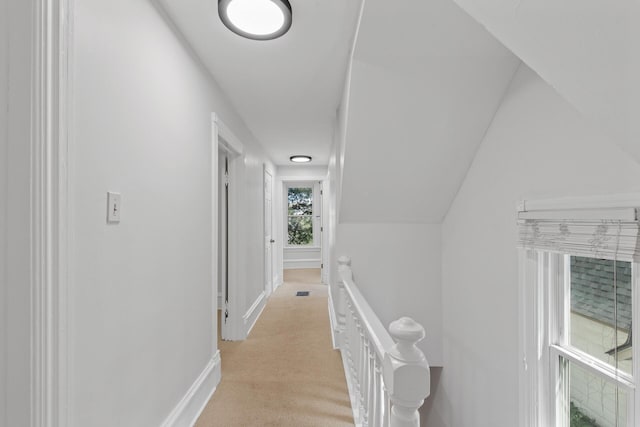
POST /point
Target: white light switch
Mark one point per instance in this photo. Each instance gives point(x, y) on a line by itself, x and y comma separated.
point(113, 207)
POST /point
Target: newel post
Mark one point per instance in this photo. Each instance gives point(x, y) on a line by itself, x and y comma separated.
point(407, 376)
point(344, 267)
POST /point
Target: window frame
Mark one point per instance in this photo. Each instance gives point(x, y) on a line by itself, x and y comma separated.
point(315, 215)
point(544, 307)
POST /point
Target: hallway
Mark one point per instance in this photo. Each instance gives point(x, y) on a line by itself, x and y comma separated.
point(286, 373)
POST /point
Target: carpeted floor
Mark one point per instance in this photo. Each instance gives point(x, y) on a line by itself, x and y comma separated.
point(286, 373)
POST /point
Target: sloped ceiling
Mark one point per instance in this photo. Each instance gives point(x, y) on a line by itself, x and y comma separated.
point(588, 50)
point(288, 89)
point(426, 80)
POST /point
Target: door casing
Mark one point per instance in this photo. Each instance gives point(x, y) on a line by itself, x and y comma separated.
point(269, 268)
point(232, 326)
point(280, 228)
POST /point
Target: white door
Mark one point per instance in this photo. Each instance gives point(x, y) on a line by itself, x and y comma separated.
point(268, 232)
point(320, 216)
point(229, 169)
point(223, 244)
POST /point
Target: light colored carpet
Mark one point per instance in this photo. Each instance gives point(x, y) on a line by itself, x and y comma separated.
point(286, 373)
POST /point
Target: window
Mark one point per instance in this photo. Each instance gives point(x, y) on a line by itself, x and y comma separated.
point(595, 305)
point(578, 293)
point(300, 215)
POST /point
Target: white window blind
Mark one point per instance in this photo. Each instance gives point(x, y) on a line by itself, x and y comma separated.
point(599, 233)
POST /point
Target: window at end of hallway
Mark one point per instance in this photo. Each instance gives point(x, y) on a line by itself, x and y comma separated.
point(300, 216)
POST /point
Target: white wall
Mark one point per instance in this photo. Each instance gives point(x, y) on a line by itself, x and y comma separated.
point(588, 50)
point(417, 125)
point(15, 195)
point(141, 300)
point(334, 184)
point(302, 172)
point(301, 257)
point(537, 146)
point(4, 94)
point(331, 217)
point(251, 247)
point(422, 93)
point(397, 268)
point(334, 180)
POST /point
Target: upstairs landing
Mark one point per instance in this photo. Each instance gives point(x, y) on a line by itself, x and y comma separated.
point(286, 373)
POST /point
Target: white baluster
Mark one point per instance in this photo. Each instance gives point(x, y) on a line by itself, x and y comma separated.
point(352, 344)
point(348, 329)
point(344, 264)
point(360, 369)
point(386, 406)
point(365, 380)
point(374, 409)
point(382, 400)
point(371, 393)
point(355, 359)
point(406, 373)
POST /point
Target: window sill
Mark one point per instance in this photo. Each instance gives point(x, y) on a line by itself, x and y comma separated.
point(302, 248)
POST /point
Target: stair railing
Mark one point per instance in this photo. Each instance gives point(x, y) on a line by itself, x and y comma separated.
point(387, 375)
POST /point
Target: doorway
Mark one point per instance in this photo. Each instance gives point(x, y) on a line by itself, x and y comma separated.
point(223, 236)
point(303, 226)
point(227, 164)
point(269, 240)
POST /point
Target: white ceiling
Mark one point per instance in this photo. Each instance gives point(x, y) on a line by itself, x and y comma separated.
point(288, 89)
point(588, 50)
point(426, 82)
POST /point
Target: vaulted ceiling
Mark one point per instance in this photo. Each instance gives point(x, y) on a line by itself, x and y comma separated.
point(426, 80)
point(437, 74)
point(287, 89)
point(588, 50)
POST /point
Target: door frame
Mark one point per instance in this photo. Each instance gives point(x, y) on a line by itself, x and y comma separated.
point(223, 138)
point(49, 163)
point(269, 286)
point(281, 182)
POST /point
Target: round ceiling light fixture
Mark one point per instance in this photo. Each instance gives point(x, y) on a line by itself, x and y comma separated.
point(300, 159)
point(256, 19)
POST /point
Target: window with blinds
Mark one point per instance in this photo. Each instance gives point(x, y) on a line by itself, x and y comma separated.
point(578, 281)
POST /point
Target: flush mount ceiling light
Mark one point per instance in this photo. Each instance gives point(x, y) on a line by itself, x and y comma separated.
point(300, 159)
point(256, 19)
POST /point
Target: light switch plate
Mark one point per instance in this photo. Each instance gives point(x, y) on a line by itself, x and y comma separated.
point(113, 207)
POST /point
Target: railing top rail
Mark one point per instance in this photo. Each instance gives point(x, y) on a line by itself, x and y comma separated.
point(404, 373)
point(378, 334)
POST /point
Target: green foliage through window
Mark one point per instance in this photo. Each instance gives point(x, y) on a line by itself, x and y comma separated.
point(578, 419)
point(300, 213)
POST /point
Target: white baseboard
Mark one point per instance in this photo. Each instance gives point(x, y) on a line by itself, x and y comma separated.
point(251, 316)
point(277, 283)
point(219, 300)
point(186, 413)
point(301, 263)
